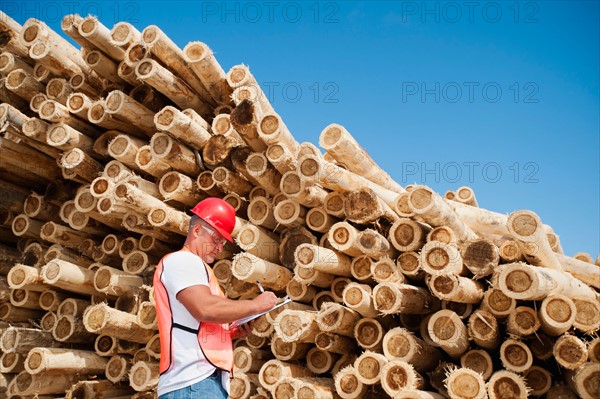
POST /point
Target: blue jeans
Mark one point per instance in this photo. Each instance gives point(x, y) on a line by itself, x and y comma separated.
point(208, 388)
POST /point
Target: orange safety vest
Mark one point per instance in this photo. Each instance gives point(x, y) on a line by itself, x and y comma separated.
point(214, 338)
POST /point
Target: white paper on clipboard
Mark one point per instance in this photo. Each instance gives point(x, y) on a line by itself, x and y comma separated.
point(245, 320)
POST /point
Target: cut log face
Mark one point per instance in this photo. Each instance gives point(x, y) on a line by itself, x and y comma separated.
point(22, 340)
point(456, 289)
point(506, 384)
point(515, 356)
point(584, 257)
point(521, 281)
point(526, 227)
point(248, 267)
point(285, 351)
point(72, 307)
point(202, 61)
point(69, 277)
point(343, 236)
point(523, 321)
point(143, 375)
point(483, 329)
point(399, 375)
point(369, 334)
point(570, 352)
point(443, 234)
point(392, 298)
point(65, 360)
point(358, 297)
point(46, 383)
point(511, 252)
point(594, 350)
point(539, 380)
point(465, 383)
point(584, 380)
point(587, 318)
point(337, 319)
point(480, 257)
point(104, 320)
point(117, 368)
point(436, 212)
point(347, 385)
point(385, 270)
point(441, 259)
point(25, 277)
point(99, 35)
point(273, 370)
point(50, 300)
point(479, 361)
point(11, 363)
point(447, 330)
point(25, 299)
point(296, 326)
point(334, 204)
point(497, 303)
point(312, 256)
point(400, 344)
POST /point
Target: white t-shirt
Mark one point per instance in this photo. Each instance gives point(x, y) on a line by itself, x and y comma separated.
point(189, 366)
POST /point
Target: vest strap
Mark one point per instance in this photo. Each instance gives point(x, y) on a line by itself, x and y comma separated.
point(186, 329)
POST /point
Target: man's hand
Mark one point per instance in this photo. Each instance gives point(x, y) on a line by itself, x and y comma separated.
point(265, 301)
point(243, 330)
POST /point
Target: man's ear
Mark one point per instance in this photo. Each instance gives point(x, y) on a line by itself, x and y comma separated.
point(196, 230)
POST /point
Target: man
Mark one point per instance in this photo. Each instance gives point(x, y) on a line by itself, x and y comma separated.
point(193, 313)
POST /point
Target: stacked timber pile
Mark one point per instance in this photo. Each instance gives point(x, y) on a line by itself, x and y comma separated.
point(396, 291)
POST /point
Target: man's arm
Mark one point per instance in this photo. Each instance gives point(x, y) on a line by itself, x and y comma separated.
point(205, 306)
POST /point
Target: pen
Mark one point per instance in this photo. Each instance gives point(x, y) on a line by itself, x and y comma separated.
point(260, 287)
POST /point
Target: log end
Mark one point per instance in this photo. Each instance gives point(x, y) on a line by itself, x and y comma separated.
point(465, 383)
point(524, 225)
point(196, 51)
point(420, 199)
point(506, 384)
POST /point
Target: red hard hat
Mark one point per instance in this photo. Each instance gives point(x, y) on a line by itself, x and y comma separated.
point(218, 213)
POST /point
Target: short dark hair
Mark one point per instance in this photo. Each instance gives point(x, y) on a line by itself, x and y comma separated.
point(197, 220)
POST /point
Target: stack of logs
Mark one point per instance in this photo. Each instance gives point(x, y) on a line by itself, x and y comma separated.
point(397, 291)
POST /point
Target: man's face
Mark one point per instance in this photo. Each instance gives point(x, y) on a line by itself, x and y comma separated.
point(211, 242)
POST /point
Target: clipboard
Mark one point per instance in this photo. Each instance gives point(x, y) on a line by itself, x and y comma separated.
point(245, 320)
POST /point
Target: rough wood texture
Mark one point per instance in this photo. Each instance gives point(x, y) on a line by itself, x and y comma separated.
point(336, 178)
point(133, 131)
point(69, 277)
point(165, 50)
point(465, 383)
point(505, 383)
point(101, 319)
point(435, 211)
point(186, 129)
point(67, 361)
point(248, 267)
point(202, 61)
point(393, 298)
point(526, 227)
point(340, 144)
point(163, 80)
point(521, 281)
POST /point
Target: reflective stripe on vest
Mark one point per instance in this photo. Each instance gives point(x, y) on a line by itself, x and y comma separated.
point(214, 339)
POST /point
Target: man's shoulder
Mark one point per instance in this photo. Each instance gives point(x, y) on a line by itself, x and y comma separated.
point(181, 257)
point(182, 266)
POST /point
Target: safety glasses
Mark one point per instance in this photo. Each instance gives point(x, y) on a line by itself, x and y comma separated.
point(216, 237)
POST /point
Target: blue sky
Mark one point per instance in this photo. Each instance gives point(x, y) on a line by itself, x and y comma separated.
point(500, 96)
